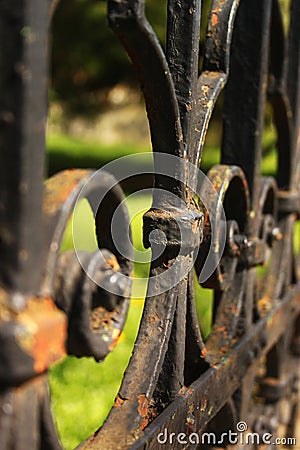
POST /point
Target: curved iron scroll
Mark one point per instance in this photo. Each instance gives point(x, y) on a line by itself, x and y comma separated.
point(249, 365)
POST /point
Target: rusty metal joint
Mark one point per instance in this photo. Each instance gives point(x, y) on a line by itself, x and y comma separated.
point(174, 229)
point(272, 389)
point(94, 296)
point(251, 252)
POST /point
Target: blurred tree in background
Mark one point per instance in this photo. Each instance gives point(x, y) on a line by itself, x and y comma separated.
point(87, 59)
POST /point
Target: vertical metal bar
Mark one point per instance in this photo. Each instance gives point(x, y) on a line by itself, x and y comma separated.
point(127, 19)
point(171, 378)
point(23, 105)
point(293, 81)
point(183, 34)
point(293, 75)
point(282, 113)
point(246, 90)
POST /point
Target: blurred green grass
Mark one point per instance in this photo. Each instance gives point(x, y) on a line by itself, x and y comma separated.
point(65, 151)
point(82, 390)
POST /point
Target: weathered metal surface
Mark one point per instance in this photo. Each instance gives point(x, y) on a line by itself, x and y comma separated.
point(254, 234)
point(82, 287)
point(223, 378)
point(53, 302)
point(32, 338)
point(23, 100)
point(26, 420)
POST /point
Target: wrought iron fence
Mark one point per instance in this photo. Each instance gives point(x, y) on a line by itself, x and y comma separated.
point(176, 386)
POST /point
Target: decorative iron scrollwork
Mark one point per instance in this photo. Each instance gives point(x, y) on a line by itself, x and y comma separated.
point(246, 370)
point(82, 282)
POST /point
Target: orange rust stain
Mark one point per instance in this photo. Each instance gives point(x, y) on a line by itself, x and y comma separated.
point(45, 332)
point(264, 304)
point(115, 336)
point(144, 424)
point(59, 187)
point(143, 405)
point(119, 402)
point(183, 390)
point(143, 410)
point(234, 309)
point(151, 319)
point(100, 317)
point(113, 263)
point(271, 381)
point(203, 404)
point(214, 19)
point(203, 352)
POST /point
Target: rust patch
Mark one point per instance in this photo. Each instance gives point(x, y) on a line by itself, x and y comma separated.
point(222, 329)
point(102, 323)
point(151, 319)
point(214, 19)
point(59, 187)
point(113, 263)
point(189, 424)
point(143, 405)
point(143, 410)
point(264, 304)
point(115, 338)
point(5, 314)
point(183, 390)
point(203, 352)
point(234, 310)
point(118, 401)
point(44, 332)
point(203, 404)
point(271, 381)
point(101, 318)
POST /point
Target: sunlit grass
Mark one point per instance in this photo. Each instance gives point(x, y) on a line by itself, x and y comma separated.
point(64, 151)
